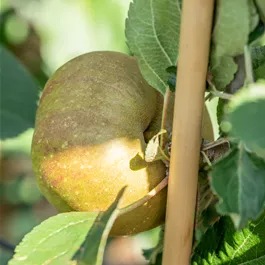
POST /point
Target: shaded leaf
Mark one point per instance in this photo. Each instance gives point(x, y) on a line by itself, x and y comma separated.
point(138, 162)
point(153, 149)
point(172, 79)
point(220, 112)
point(258, 56)
point(222, 245)
point(172, 70)
point(234, 22)
point(239, 181)
point(55, 240)
point(154, 255)
point(223, 70)
point(245, 113)
point(96, 238)
point(19, 95)
point(259, 73)
point(261, 8)
point(232, 26)
point(256, 33)
point(210, 242)
point(152, 32)
point(257, 261)
point(258, 63)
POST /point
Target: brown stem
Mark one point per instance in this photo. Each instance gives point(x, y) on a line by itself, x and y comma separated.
point(206, 159)
point(214, 144)
point(164, 117)
point(147, 197)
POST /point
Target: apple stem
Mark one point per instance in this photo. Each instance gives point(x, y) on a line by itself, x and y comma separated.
point(164, 117)
point(147, 197)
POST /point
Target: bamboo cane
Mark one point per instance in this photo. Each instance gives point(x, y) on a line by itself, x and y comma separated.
point(189, 101)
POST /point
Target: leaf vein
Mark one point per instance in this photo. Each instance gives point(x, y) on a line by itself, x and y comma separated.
point(155, 34)
point(50, 235)
point(152, 70)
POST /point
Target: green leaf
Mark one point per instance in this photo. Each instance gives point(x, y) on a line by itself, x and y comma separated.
point(239, 181)
point(96, 238)
point(258, 56)
point(223, 70)
point(258, 261)
point(232, 26)
point(28, 191)
point(253, 16)
point(153, 149)
point(154, 255)
point(21, 190)
point(259, 73)
point(158, 259)
point(172, 78)
point(257, 33)
point(261, 8)
point(222, 245)
point(55, 240)
point(245, 113)
point(234, 21)
point(152, 32)
point(210, 241)
point(19, 93)
point(220, 113)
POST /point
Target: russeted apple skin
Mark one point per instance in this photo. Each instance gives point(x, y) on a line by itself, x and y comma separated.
point(90, 124)
point(95, 115)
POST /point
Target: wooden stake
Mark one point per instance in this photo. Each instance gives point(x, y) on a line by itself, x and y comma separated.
point(195, 36)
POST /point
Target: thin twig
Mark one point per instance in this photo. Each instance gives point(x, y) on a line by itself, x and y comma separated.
point(164, 117)
point(248, 65)
point(206, 159)
point(147, 197)
point(222, 95)
point(213, 144)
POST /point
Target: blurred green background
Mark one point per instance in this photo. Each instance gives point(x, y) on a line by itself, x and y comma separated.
point(43, 35)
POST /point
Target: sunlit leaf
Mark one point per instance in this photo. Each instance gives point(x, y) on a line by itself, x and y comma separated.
point(152, 32)
point(223, 245)
point(55, 240)
point(154, 255)
point(96, 238)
